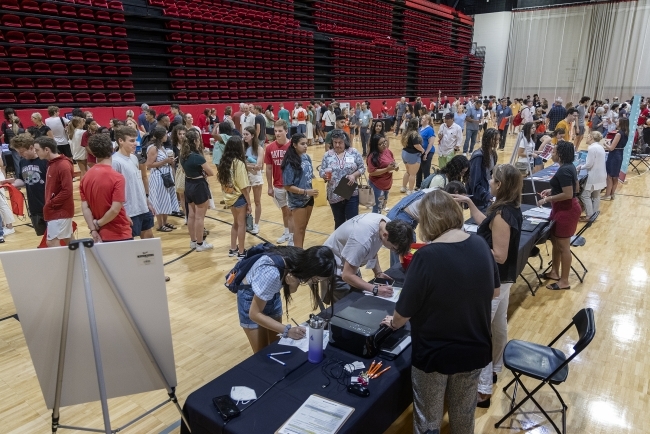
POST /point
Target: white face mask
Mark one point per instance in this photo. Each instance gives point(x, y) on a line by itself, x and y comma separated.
point(243, 394)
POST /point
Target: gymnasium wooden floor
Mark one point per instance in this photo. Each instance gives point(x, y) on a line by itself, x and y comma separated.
point(607, 390)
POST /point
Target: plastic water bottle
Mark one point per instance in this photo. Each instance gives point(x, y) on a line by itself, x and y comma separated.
point(316, 327)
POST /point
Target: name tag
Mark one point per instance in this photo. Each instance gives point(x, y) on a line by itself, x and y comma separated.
point(349, 160)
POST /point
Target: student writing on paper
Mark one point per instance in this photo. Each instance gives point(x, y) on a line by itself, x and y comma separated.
point(355, 244)
point(258, 299)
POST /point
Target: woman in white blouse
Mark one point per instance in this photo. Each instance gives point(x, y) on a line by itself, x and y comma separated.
point(597, 174)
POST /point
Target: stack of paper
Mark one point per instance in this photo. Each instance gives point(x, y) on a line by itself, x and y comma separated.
point(317, 415)
point(538, 212)
point(470, 228)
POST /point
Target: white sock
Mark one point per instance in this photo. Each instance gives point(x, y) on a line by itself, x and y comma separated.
point(286, 231)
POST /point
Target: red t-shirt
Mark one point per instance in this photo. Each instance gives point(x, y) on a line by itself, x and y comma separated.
point(643, 116)
point(100, 187)
point(274, 154)
point(384, 181)
point(84, 143)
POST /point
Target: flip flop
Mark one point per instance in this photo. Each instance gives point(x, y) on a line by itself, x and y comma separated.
point(164, 229)
point(547, 277)
point(556, 287)
point(170, 226)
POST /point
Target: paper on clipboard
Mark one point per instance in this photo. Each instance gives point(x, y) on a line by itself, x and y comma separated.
point(317, 415)
point(344, 190)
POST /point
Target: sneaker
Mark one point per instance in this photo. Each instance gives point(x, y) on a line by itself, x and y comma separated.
point(256, 229)
point(9, 231)
point(409, 192)
point(203, 247)
point(192, 244)
point(402, 190)
point(284, 238)
point(290, 243)
point(2, 239)
point(606, 198)
point(233, 252)
point(241, 256)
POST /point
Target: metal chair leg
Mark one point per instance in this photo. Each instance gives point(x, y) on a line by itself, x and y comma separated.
point(536, 274)
point(527, 283)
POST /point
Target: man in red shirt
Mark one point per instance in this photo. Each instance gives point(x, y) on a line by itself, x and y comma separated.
point(273, 156)
point(102, 192)
point(59, 204)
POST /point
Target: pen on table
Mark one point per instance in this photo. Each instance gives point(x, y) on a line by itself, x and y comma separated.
point(279, 361)
point(279, 354)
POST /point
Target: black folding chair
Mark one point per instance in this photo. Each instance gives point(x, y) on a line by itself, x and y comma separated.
point(545, 363)
point(543, 237)
point(637, 160)
point(578, 241)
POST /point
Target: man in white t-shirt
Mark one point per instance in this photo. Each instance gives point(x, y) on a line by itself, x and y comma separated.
point(329, 118)
point(137, 205)
point(356, 243)
point(57, 124)
point(300, 117)
point(528, 112)
point(450, 137)
point(247, 118)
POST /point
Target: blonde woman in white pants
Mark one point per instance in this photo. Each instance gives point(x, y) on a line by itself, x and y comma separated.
point(501, 228)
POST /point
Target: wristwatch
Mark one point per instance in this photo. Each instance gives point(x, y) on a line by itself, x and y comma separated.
point(375, 290)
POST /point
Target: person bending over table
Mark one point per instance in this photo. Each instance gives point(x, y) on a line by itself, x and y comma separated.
point(481, 164)
point(501, 228)
point(355, 244)
point(449, 311)
point(565, 213)
point(258, 300)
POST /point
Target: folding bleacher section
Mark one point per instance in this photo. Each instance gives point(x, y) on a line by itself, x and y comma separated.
point(49, 39)
point(92, 52)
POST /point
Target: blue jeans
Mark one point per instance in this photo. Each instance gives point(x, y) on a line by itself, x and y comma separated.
point(397, 213)
point(365, 139)
point(301, 129)
point(345, 210)
point(470, 135)
point(378, 193)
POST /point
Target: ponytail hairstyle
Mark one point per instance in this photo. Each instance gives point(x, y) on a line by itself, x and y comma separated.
point(75, 124)
point(190, 144)
point(234, 150)
point(291, 157)
point(411, 131)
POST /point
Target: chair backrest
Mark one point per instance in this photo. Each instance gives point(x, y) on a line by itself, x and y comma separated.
point(586, 327)
point(545, 234)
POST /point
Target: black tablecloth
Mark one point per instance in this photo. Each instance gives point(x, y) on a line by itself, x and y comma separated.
point(526, 241)
point(542, 182)
point(389, 396)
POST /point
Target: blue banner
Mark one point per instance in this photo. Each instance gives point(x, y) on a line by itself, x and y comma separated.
point(627, 152)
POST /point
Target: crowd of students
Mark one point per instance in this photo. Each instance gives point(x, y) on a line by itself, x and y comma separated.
point(137, 172)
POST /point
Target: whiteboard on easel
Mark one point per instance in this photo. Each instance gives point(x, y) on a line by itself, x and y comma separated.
point(37, 282)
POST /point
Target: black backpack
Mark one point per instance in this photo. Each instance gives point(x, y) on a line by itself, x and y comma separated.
point(236, 276)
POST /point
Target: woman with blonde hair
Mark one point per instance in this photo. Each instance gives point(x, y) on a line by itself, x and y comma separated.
point(500, 226)
point(449, 311)
point(412, 151)
point(39, 129)
point(75, 130)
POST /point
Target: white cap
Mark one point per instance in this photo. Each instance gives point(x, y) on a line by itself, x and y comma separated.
point(558, 99)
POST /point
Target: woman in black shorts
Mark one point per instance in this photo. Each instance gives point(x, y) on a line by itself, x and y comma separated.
point(197, 190)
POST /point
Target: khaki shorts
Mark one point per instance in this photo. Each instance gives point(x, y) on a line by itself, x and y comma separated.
point(280, 196)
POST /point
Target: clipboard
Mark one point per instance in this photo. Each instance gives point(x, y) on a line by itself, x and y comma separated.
point(344, 190)
point(325, 399)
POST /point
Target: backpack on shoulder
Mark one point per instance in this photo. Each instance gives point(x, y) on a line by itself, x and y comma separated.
point(517, 120)
point(236, 276)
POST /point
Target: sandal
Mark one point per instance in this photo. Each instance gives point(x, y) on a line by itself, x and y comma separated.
point(164, 229)
point(170, 226)
point(556, 287)
point(547, 277)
